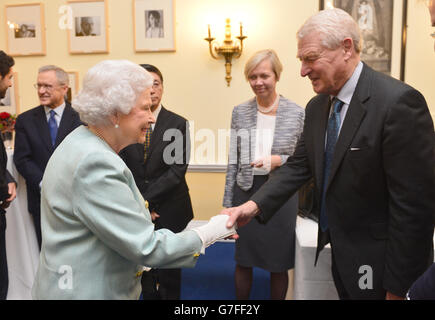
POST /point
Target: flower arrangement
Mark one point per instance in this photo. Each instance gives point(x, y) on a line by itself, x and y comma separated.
point(7, 122)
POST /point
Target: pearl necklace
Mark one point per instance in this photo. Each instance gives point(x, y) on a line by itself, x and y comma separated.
point(268, 109)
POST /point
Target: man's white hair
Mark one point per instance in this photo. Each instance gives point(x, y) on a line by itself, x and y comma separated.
point(109, 87)
point(334, 25)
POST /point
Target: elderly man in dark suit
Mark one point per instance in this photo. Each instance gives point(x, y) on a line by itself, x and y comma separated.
point(7, 182)
point(159, 169)
point(368, 143)
point(424, 287)
point(39, 131)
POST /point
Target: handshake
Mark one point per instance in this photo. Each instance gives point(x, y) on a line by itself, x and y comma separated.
point(216, 229)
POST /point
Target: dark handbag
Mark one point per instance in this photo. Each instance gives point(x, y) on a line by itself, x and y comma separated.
point(307, 202)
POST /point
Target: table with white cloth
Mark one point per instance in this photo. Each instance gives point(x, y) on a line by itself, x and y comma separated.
point(22, 249)
point(312, 283)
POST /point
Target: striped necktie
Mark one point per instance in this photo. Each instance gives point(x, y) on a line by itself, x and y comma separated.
point(332, 132)
point(147, 143)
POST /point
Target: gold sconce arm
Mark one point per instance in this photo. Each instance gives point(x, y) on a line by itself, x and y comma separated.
point(229, 50)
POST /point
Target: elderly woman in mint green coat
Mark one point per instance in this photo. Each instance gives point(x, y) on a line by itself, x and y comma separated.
point(97, 233)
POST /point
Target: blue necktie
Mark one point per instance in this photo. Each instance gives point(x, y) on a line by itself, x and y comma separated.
point(332, 132)
point(52, 125)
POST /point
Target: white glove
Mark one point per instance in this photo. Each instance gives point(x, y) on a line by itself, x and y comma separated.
point(214, 230)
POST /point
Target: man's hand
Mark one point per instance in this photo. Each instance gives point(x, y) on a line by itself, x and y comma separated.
point(241, 214)
point(154, 216)
point(12, 190)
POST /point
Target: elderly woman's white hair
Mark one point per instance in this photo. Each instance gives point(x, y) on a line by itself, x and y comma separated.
point(109, 87)
point(334, 25)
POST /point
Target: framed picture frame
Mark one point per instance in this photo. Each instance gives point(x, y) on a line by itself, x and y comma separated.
point(11, 102)
point(73, 85)
point(383, 28)
point(154, 25)
point(89, 32)
point(25, 29)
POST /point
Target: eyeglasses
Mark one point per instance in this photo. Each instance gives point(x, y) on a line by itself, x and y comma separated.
point(432, 35)
point(46, 87)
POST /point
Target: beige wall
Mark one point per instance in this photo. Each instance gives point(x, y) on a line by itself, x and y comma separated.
point(194, 83)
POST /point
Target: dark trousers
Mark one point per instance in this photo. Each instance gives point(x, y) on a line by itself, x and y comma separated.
point(341, 290)
point(4, 280)
point(161, 284)
point(324, 239)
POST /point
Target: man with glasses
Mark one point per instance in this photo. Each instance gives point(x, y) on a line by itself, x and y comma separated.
point(39, 131)
point(159, 169)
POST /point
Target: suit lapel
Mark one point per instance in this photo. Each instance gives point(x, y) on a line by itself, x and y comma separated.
point(250, 122)
point(42, 127)
point(159, 130)
point(319, 136)
point(65, 123)
point(355, 115)
point(280, 121)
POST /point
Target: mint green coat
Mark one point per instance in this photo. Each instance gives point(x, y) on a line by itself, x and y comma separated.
point(96, 230)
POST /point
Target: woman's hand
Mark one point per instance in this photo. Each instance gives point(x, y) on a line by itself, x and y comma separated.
point(270, 163)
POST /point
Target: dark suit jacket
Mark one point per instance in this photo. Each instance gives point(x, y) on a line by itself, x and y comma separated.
point(163, 184)
point(380, 199)
point(33, 147)
point(5, 176)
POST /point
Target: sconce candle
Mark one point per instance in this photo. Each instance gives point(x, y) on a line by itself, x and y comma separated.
point(228, 50)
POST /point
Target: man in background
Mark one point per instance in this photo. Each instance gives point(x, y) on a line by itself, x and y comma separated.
point(39, 131)
point(160, 177)
point(7, 183)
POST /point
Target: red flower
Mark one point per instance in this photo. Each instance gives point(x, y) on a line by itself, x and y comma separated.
point(5, 115)
point(7, 122)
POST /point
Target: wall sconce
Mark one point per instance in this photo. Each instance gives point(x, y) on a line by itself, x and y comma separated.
point(229, 49)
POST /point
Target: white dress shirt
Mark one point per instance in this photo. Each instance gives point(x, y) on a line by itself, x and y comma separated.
point(346, 93)
point(156, 115)
point(58, 113)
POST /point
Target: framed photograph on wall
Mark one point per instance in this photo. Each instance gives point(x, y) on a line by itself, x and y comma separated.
point(383, 29)
point(73, 85)
point(154, 25)
point(89, 32)
point(25, 29)
point(10, 103)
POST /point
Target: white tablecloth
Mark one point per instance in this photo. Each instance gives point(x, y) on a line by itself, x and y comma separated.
point(311, 283)
point(21, 245)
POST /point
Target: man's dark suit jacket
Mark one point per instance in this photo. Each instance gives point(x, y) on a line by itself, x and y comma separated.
point(5, 176)
point(380, 199)
point(33, 149)
point(164, 185)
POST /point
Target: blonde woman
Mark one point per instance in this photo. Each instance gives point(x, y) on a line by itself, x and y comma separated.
point(264, 133)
